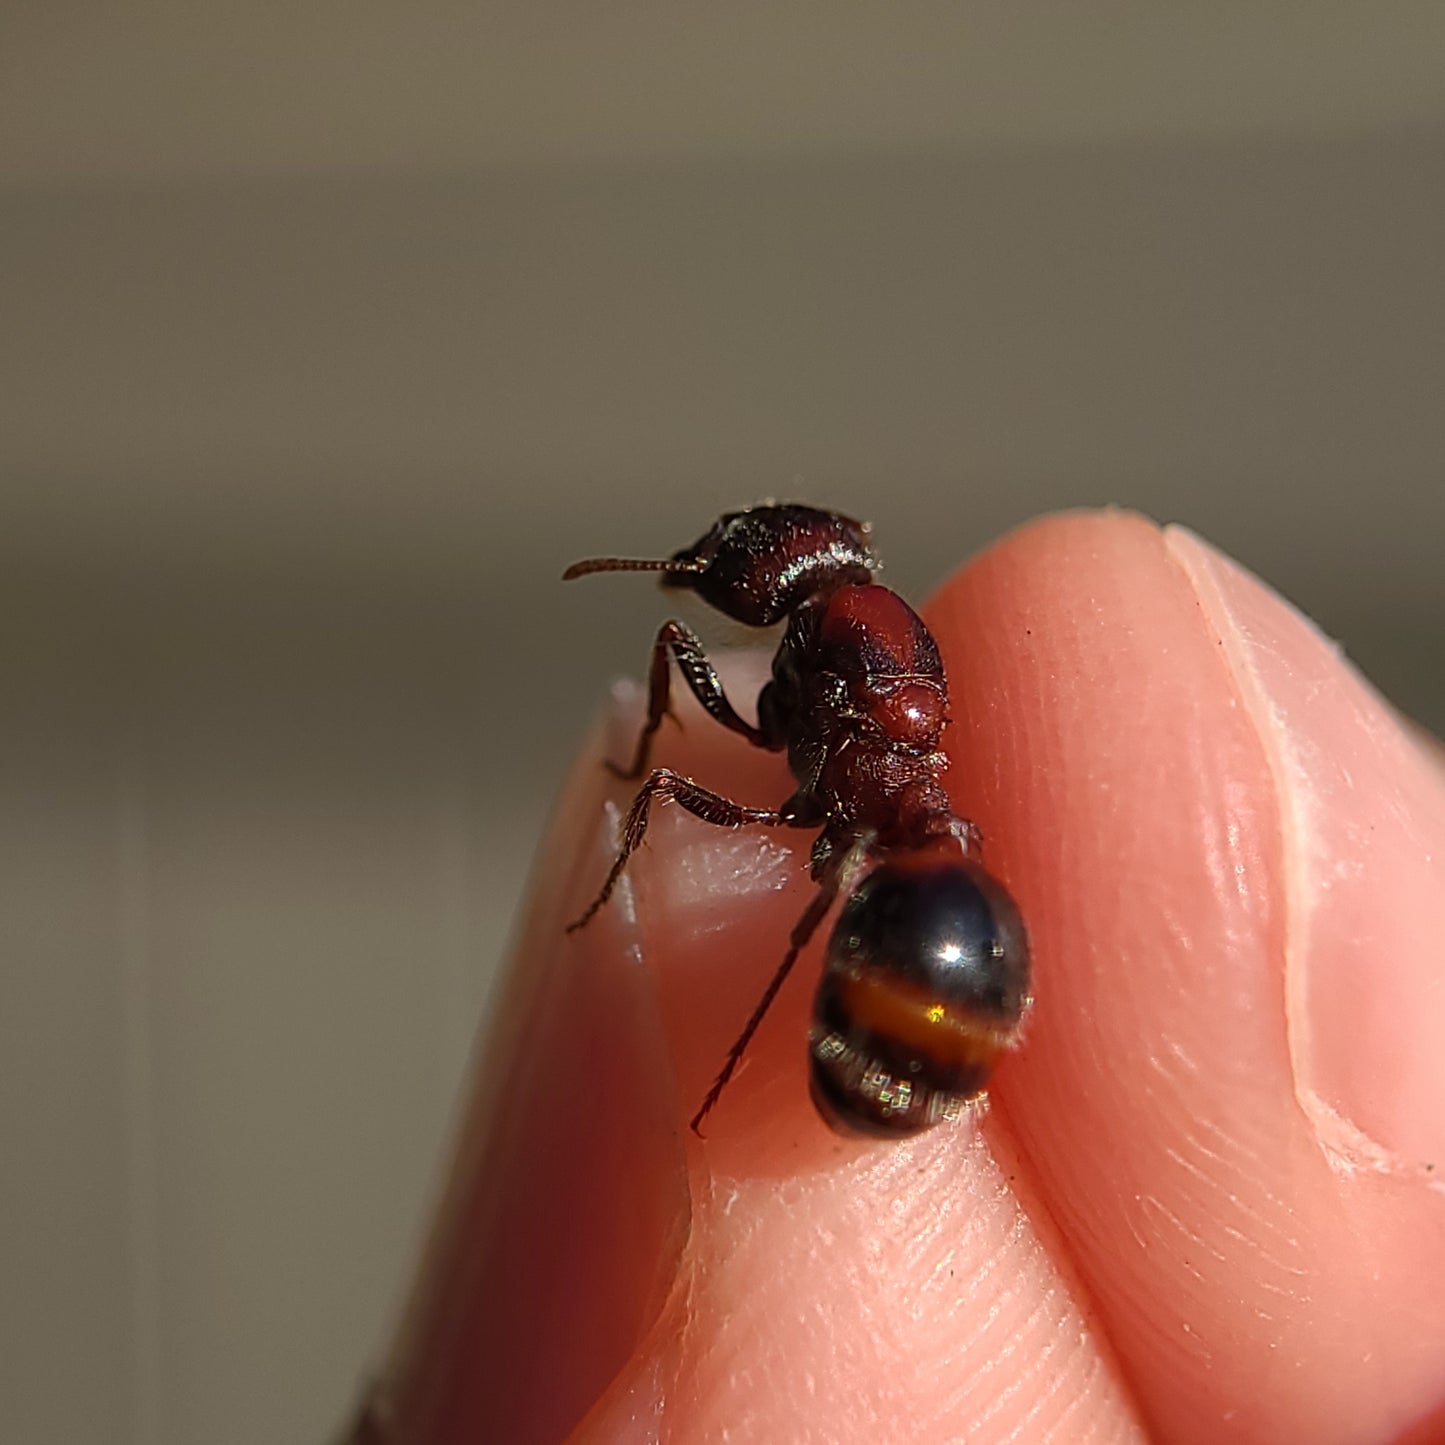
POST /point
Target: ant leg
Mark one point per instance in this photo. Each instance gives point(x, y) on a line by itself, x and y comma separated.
point(673, 787)
point(830, 885)
point(700, 676)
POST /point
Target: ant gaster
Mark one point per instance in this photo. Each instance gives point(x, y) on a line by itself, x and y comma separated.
point(926, 975)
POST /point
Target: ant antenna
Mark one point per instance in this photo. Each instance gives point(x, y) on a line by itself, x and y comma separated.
point(630, 564)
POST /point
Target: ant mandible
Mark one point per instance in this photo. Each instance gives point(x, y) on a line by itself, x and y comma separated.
point(926, 975)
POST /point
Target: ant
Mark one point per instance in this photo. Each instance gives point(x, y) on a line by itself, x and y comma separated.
point(926, 975)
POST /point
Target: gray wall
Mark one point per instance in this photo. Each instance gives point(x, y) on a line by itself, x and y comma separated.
point(295, 440)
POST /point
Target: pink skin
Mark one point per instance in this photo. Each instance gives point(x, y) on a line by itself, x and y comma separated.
point(1201, 1206)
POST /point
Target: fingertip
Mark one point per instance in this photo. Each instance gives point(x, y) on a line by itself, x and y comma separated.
point(564, 1217)
point(1107, 741)
point(1094, 761)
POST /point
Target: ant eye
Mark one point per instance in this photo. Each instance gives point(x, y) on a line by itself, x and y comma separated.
point(926, 982)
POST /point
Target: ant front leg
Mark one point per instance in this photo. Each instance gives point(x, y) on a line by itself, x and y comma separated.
point(700, 677)
point(673, 787)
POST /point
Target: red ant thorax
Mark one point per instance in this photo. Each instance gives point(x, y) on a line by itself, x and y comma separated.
point(926, 975)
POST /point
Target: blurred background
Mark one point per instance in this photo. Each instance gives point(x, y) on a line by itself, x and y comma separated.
point(330, 334)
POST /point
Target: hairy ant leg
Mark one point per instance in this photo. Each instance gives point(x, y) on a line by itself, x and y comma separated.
point(699, 801)
point(702, 679)
point(837, 877)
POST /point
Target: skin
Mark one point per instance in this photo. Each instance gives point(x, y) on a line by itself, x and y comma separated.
point(1206, 1200)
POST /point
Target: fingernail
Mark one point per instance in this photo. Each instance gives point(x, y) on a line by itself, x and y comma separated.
point(1362, 814)
point(561, 1227)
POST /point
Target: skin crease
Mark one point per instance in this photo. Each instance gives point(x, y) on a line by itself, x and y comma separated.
point(1204, 1203)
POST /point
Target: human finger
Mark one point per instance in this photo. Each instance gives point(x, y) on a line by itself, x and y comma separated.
point(826, 1290)
point(1233, 1097)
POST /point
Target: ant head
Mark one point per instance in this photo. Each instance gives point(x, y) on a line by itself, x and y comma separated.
point(756, 566)
point(925, 985)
